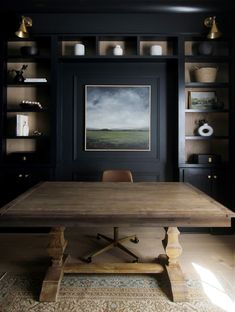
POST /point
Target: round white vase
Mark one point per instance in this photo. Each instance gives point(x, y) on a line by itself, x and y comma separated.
point(205, 130)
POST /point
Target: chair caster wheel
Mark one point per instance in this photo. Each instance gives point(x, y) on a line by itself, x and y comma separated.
point(135, 261)
point(135, 240)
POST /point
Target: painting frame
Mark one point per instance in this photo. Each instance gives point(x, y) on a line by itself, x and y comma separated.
point(114, 138)
point(202, 100)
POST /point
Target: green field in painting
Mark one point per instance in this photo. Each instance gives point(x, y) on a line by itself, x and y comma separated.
point(117, 139)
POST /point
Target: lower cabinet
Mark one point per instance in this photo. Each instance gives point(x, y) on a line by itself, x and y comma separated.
point(15, 182)
point(213, 181)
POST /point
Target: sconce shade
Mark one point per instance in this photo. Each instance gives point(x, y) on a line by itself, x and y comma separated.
point(214, 32)
point(22, 32)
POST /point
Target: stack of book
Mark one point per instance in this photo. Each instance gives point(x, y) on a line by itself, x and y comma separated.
point(35, 80)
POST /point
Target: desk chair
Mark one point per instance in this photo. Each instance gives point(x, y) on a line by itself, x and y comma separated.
point(115, 176)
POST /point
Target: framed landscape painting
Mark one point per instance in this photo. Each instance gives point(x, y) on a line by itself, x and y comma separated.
point(117, 117)
point(202, 100)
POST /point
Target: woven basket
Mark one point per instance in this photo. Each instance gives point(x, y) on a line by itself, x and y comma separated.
point(205, 74)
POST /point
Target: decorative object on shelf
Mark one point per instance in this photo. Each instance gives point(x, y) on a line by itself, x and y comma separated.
point(19, 78)
point(26, 22)
point(118, 50)
point(29, 50)
point(22, 125)
point(206, 158)
point(205, 48)
point(155, 50)
point(79, 49)
point(202, 100)
point(30, 105)
point(219, 105)
point(37, 133)
point(205, 74)
point(214, 32)
point(204, 129)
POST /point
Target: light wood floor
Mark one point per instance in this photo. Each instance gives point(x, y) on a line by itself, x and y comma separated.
point(26, 252)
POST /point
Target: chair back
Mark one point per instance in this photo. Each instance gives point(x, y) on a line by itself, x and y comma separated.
point(117, 176)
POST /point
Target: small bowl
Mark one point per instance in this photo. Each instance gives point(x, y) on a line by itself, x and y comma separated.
point(29, 50)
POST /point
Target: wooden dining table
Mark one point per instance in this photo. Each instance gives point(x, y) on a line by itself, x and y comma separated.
point(86, 204)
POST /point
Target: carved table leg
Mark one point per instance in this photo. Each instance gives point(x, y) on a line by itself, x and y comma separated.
point(175, 274)
point(54, 275)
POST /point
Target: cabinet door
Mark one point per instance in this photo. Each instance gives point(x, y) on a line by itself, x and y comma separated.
point(221, 186)
point(214, 182)
point(200, 178)
point(15, 182)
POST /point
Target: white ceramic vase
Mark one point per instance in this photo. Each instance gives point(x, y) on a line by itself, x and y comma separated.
point(79, 49)
point(155, 50)
point(205, 130)
point(118, 50)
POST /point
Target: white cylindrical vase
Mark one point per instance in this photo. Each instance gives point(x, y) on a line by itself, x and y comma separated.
point(155, 50)
point(79, 49)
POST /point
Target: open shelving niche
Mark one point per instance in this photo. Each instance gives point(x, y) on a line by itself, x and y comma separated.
point(134, 46)
point(218, 118)
point(34, 148)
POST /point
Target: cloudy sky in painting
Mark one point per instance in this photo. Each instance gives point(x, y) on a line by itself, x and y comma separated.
point(118, 107)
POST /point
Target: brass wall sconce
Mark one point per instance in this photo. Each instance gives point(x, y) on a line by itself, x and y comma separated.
point(214, 33)
point(22, 32)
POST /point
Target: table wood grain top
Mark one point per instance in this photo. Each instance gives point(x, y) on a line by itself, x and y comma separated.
point(122, 203)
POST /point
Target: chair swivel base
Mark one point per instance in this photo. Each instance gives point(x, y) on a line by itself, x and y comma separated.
point(115, 242)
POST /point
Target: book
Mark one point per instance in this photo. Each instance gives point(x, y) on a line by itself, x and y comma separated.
point(35, 80)
point(22, 125)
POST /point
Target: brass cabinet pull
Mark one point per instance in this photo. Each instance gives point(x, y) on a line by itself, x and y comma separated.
point(20, 175)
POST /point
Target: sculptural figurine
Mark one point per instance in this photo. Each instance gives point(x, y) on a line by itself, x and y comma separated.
point(19, 78)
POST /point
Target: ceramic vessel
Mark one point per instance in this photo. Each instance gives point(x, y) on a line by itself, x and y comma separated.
point(79, 49)
point(118, 50)
point(155, 50)
point(205, 130)
point(29, 50)
point(205, 48)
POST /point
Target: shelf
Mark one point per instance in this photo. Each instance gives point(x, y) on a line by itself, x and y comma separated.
point(206, 48)
point(100, 46)
point(21, 110)
point(206, 59)
point(204, 138)
point(196, 165)
point(207, 85)
point(29, 137)
point(118, 58)
point(206, 110)
point(168, 45)
point(28, 84)
point(28, 59)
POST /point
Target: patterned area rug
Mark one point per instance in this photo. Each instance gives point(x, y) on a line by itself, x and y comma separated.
point(99, 293)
